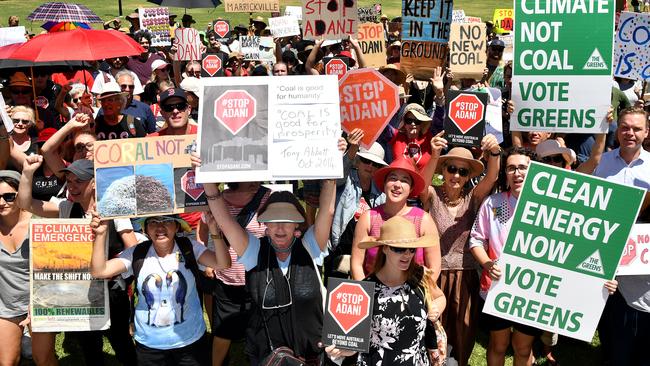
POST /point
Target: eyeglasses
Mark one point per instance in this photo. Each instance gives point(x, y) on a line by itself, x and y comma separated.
point(82, 147)
point(452, 169)
point(370, 162)
point(170, 107)
point(511, 169)
point(76, 100)
point(166, 69)
point(557, 159)
point(21, 91)
point(402, 250)
point(126, 86)
point(412, 121)
point(266, 288)
point(194, 73)
point(9, 196)
point(21, 121)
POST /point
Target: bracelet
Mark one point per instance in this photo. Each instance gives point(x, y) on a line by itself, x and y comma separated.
point(214, 197)
point(4, 138)
point(495, 154)
point(216, 236)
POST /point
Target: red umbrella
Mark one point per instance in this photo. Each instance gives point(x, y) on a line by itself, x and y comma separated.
point(79, 44)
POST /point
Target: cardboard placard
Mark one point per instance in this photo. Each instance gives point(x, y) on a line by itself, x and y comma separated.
point(222, 30)
point(471, 19)
point(63, 294)
point(632, 52)
point(368, 15)
point(329, 20)
point(566, 239)
point(146, 176)
point(257, 48)
point(269, 128)
point(458, 16)
point(213, 64)
point(348, 314)
point(636, 253)
point(12, 35)
point(284, 26)
point(6, 120)
point(295, 11)
point(188, 43)
point(508, 52)
point(464, 123)
point(562, 74)
point(504, 21)
point(156, 21)
point(251, 6)
point(467, 50)
point(373, 44)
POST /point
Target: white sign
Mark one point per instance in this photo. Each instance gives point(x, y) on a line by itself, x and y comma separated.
point(256, 48)
point(6, 120)
point(188, 44)
point(632, 51)
point(11, 35)
point(636, 254)
point(284, 26)
point(295, 11)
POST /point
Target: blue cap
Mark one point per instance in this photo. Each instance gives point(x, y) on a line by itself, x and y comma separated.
point(172, 92)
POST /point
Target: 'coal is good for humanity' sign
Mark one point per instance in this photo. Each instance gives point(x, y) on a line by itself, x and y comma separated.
point(562, 65)
point(566, 239)
point(632, 54)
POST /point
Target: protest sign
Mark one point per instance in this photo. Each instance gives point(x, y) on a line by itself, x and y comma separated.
point(636, 253)
point(11, 35)
point(329, 20)
point(493, 114)
point(256, 48)
point(632, 51)
point(146, 176)
point(368, 15)
point(188, 43)
point(562, 77)
point(467, 50)
point(337, 65)
point(346, 321)
point(471, 19)
point(222, 30)
point(251, 6)
point(508, 51)
point(212, 64)
point(295, 11)
point(503, 20)
point(458, 16)
point(156, 21)
point(269, 128)
point(465, 119)
point(6, 120)
point(373, 44)
point(63, 294)
point(425, 33)
point(368, 101)
point(284, 26)
point(566, 240)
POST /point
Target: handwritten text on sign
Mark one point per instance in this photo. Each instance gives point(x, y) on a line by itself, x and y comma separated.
point(426, 20)
point(467, 50)
point(632, 52)
point(329, 20)
point(188, 44)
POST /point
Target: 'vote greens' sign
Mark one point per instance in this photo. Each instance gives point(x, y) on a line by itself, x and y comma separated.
point(562, 65)
point(566, 240)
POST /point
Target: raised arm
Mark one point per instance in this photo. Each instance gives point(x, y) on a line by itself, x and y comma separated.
point(357, 50)
point(490, 146)
point(597, 149)
point(50, 149)
point(431, 254)
point(99, 266)
point(361, 232)
point(24, 197)
point(311, 59)
point(438, 143)
point(220, 258)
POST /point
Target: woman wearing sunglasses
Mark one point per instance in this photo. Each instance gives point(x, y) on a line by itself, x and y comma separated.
point(407, 301)
point(411, 139)
point(58, 153)
point(14, 281)
point(23, 120)
point(453, 206)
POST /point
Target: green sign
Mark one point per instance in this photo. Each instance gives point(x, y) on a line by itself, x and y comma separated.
point(563, 65)
point(566, 239)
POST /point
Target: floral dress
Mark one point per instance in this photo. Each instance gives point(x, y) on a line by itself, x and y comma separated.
point(397, 335)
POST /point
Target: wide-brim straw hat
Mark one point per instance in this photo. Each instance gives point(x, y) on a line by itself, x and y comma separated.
point(399, 232)
point(281, 212)
point(462, 154)
point(401, 75)
point(401, 164)
point(184, 225)
point(552, 147)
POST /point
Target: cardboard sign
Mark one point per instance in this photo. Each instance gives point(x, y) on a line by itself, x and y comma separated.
point(12, 35)
point(504, 20)
point(471, 19)
point(636, 253)
point(156, 21)
point(566, 239)
point(467, 48)
point(368, 101)
point(212, 64)
point(251, 6)
point(368, 15)
point(508, 51)
point(222, 30)
point(295, 11)
point(465, 118)
point(146, 176)
point(333, 19)
point(63, 295)
point(337, 65)
point(284, 26)
point(458, 16)
point(6, 120)
point(269, 128)
point(348, 315)
point(188, 43)
point(562, 75)
point(632, 51)
point(257, 48)
point(373, 44)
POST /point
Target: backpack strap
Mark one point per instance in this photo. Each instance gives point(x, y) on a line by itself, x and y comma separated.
point(137, 261)
point(187, 251)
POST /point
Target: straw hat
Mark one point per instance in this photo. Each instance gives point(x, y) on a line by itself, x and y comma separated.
point(375, 153)
point(401, 164)
point(110, 89)
point(553, 147)
point(281, 212)
point(399, 232)
point(184, 226)
point(400, 74)
point(462, 154)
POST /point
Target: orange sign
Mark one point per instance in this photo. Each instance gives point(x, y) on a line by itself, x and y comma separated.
point(368, 101)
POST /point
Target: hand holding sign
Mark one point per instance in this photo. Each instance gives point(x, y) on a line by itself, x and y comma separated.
point(490, 143)
point(438, 78)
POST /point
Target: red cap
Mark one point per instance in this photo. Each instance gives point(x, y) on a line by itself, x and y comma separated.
point(45, 134)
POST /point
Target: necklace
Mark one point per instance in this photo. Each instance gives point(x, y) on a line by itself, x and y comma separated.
point(450, 203)
point(178, 259)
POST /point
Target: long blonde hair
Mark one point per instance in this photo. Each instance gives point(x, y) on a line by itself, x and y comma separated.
point(417, 276)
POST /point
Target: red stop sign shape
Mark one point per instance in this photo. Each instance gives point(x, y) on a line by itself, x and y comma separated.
point(189, 185)
point(337, 67)
point(466, 110)
point(221, 28)
point(211, 64)
point(349, 305)
point(629, 252)
point(368, 101)
point(234, 109)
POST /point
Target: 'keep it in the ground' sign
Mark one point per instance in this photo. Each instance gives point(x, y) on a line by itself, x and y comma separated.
point(562, 65)
point(566, 240)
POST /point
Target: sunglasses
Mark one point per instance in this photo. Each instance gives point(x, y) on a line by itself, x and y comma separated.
point(21, 91)
point(21, 121)
point(81, 147)
point(76, 100)
point(126, 86)
point(412, 121)
point(557, 159)
point(8, 197)
point(166, 69)
point(170, 107)
point(402, 250)
point(370, 162)
point(194, 73)
point(452, 169)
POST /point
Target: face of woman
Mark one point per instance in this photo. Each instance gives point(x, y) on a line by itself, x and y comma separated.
point(83, 147)
point(281, 233)
point(455, 180)
point(401, 261)
point(79, 190)
point(412, 126)
point(161, 231)
point(366, 168)
point(21, 122)
point(516, 168)
point(7, 208)
point(398, 186)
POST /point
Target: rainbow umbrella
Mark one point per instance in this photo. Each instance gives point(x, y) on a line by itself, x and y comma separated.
point(64, 26)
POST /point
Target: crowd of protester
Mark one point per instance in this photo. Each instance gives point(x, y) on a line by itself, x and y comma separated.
point(257, 260)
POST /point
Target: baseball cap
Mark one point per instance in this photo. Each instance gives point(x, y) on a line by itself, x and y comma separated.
point(84, 169)
point(172, 92)
point(158, 64)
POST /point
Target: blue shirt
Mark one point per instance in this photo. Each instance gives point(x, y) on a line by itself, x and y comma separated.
point(142, 111)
